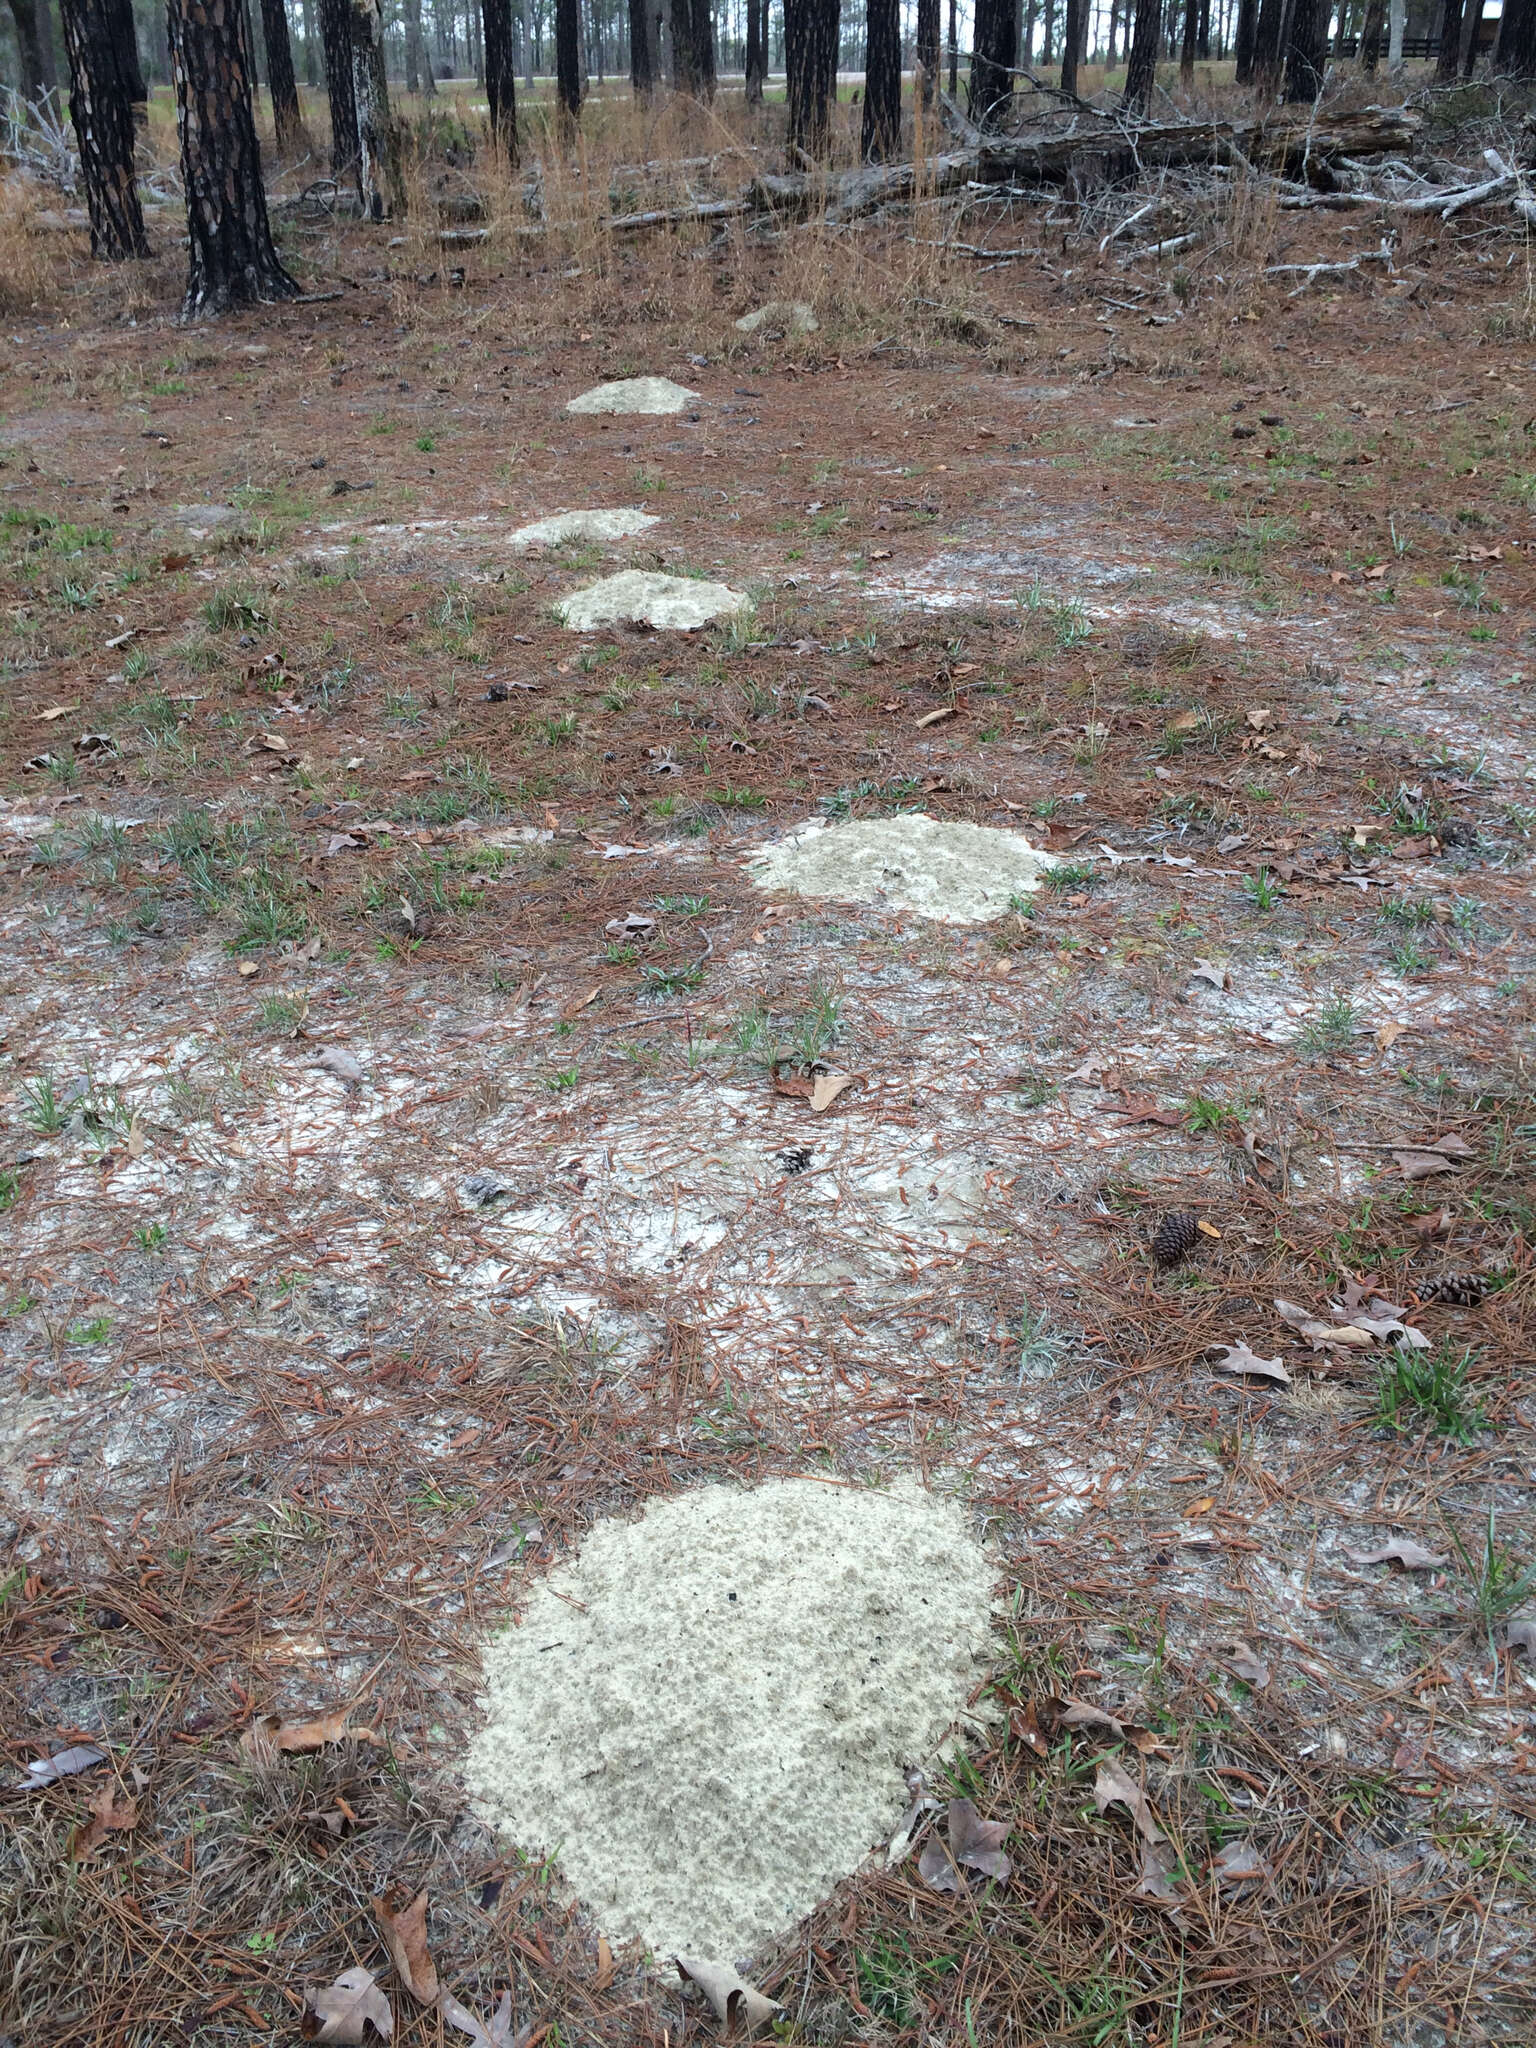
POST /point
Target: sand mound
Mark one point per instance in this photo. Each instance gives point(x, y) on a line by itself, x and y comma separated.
point(634, 394)
point(616, 524)
point(956, 872)
point(641, 597)
point(710, 1730)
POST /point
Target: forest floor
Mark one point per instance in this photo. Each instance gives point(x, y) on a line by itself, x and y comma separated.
point(337, 873)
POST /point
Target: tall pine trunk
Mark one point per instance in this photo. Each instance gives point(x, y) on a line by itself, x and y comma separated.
point(1267, 53)
point(1472, 21)
point(757, 49)
point(993, 57)
point(417, 55)
point(881, 133)
point(336, 44)
point(810, 62)
point(1141, 67)
point(954, 51)
point(568, 60)
point(642, 49)
point(500, 74)
point(1071, 38)
point(125, 34)
point(928, 48)
point(1242, 41)
point(1187, 51)
point(378, 146)
point(34, 46)
point(1450, 42)
point(101, 107)
point(1306, 54)
point(231, 260)
point(287, 122)
point(1370, 36)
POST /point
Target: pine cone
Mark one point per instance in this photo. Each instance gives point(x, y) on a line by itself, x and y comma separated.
point(1458, 1290)
point(1175, 1238)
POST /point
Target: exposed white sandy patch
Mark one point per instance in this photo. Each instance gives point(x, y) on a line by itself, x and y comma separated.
point(793, 315)
point(617, 524)
point(954, 871)
point(640, 597)
point(709, 1730)
point(634, 394)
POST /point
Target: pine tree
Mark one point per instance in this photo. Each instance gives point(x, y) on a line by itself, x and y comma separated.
point(101, 107)
point(500, 74)
point(286, 120)
point(231, 259)
point(1141, 70)
point(34, 46)
point(568, 59)
point(997, 51)
point(810, 61)
point(336, 43)
point(881, 133)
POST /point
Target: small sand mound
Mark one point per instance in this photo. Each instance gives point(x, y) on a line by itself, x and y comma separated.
point(634, 394)
point(617, 524)
point(793, 316)
point(640, 597)
point(710, 1729)
point(954, 871)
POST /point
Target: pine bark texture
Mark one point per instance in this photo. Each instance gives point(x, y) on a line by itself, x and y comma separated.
point(378, 147)
point(287, 122)
point(810, 59)
point(501, 74)
point(880, 136)
point(1141, 69)
point(1515, 51)
point(693, 34)
point(1242, 39)
point(336, 45)
point(126, 36)
point(992, 60)
point(568, 57)
point(757, 50)
point(34, 46)
point(1306, 54)
point(1267, 54)
point(231, 260)
point(101, 107)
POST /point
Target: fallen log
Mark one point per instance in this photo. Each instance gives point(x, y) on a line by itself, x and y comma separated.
point(1115, 151)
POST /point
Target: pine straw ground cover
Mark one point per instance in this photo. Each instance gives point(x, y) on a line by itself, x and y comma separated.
point(294, 1402)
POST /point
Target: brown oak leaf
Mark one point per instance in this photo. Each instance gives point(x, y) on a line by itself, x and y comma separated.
point(404, 1924)
point(974, 1842)
point(345, 2010)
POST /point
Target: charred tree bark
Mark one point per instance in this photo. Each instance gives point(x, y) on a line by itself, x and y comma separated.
point(1370, 36)
point(881, 134)
point(500, 74)
point(287, 122)
point(995, 52)
point(1242, 40)
point(126, 36)
point(1071, 38)
point(1187, 51)
point(378, 146)
point(34, 46)
point(101, 107)
point(928, 48)
point(336, 43)
point(1141, 69)
point(568, 60)
point(231, 260)
point(1306, 54)
point(1515, 51)
point(810, 59)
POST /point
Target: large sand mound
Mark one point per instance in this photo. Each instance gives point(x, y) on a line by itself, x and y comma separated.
point(955, 871)
point(710, 1728)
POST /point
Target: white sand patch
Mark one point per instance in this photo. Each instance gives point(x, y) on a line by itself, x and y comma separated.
point(617, 524)
point(710, 1729)
point(793, 315)
point(641, 597)
point(956, 872)
point(634, 394)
